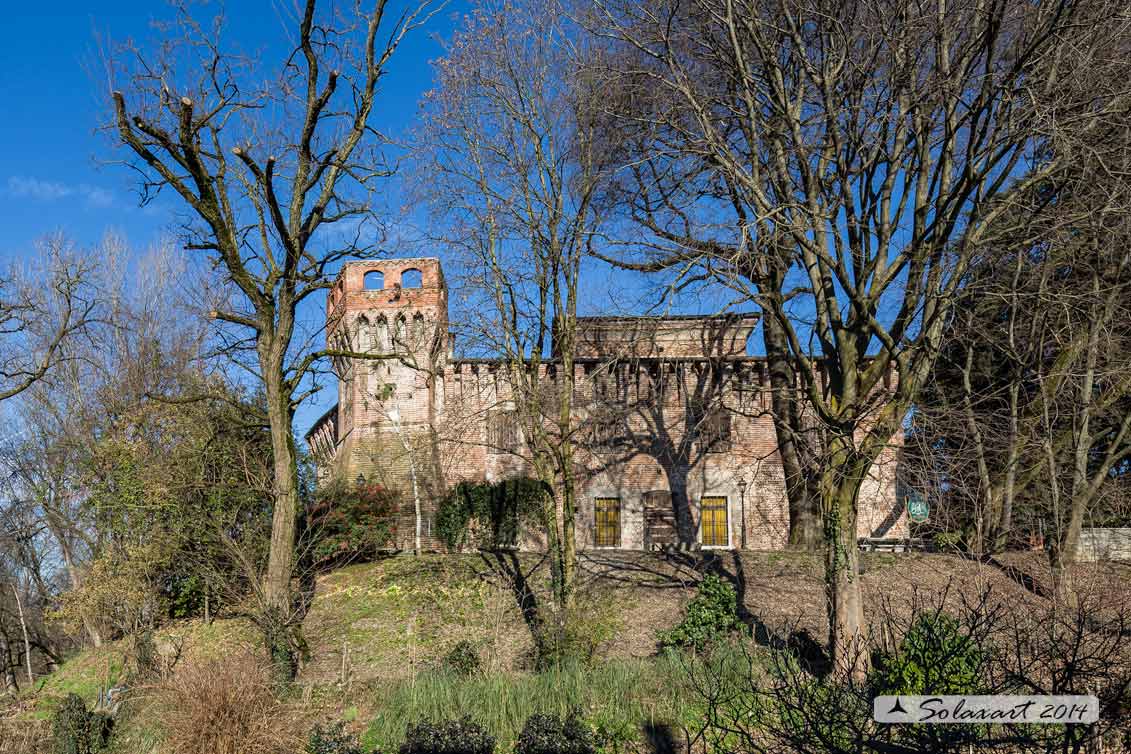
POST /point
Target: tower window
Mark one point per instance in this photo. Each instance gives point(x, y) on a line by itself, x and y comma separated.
point(374, 280)
point(412, 279)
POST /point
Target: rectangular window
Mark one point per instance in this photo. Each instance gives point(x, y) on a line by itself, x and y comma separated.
point(713, 522)
point(715, 431)
point(606, 525)
point(502, 432)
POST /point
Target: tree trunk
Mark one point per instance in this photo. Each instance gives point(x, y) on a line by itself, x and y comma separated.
point(840, 491)
point(280, 562)
point(804, 513)
point(23, 627)
point(73, 574)
point(10, 685)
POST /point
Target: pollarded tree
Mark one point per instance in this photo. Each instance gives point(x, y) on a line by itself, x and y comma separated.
point(840, 164)
point(270, 165)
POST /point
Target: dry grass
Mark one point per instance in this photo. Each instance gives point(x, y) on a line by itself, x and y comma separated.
point(24, 737)
point(223, 707)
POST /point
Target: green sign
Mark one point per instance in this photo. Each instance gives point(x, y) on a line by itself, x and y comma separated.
point(917, 509)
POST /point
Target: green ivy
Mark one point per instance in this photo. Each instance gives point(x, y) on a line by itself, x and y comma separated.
point(490, 514)
point(935, 657)
point(711, 615)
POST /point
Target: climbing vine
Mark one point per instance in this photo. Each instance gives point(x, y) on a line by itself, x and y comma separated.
point(489, 515)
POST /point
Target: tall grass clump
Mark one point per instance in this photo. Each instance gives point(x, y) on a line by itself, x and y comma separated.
point(615, 696)
point(223, 706)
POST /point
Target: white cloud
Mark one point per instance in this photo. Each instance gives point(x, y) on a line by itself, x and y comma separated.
point(21, 186)
point(25, 187)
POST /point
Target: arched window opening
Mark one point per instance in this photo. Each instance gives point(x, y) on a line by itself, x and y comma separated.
point(374, 280)
point(412, 279)
point(363, 334)
point(418, 331)
point(381, 336)
point(399, 334)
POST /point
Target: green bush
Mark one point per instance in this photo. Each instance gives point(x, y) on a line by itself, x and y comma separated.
point(77, 730)
point(934, 657)
point(576, 636)
point(331, 739)
point(349, 521)
point(950, 541)
point(553, 734)
point(447, 737)
point(710, 616)
point(463, 659)
point(489, 515)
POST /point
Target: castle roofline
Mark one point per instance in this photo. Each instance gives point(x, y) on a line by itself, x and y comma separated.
point(609, 359)
point(398, 261)
point(661, 318)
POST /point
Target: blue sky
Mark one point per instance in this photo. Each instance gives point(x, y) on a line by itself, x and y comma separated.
point(57, 172)
point(54, 175)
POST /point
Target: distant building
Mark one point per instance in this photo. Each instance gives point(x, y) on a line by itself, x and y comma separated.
point(674, 441)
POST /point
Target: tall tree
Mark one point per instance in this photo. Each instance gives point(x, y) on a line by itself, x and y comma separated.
point(1026, 412)
point(841, 163)
point(271, 165)
point(511, 173)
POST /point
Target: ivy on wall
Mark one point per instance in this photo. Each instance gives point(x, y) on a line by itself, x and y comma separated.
point(482, 514)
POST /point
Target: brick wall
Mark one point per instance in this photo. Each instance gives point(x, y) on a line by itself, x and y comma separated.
point(689, 426)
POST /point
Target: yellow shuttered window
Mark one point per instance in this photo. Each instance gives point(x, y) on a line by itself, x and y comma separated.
point(606, 529)
point(713, 522)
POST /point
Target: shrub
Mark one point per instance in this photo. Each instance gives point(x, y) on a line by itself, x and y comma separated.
point(77, 730)
point(711, 615)
point(331, 739)
point(348, 521)
point(552, 734)
point(950, 541)
point(224, 706)
point(934, 657)
point(576, 637)
point(463, 659)
point(447, 737)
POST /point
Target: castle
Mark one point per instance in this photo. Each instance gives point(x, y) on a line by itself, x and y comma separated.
point(675, 443)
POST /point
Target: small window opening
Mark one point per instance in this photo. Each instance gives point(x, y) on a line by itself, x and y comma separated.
point(412, 279)
point(374, 280)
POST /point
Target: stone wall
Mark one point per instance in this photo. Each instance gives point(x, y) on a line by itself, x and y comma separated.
point(1104, 544)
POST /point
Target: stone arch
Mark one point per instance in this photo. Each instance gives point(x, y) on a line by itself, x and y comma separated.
point(363, 334)
point(400, 327)
point(381, 334)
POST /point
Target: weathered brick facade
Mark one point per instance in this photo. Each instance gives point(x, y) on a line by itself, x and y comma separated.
point(670, 412)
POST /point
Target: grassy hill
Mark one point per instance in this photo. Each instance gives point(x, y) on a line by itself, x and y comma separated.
point(378, 633)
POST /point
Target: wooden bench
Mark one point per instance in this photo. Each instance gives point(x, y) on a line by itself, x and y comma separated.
point(890, 544)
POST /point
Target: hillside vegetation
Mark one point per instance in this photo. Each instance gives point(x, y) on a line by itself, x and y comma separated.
point(378, 634)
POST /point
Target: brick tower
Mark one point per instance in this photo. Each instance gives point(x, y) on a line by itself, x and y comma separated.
point(387, 408)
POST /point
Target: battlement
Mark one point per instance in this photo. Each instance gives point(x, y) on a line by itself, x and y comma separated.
point(415, 284)
point(718, 337)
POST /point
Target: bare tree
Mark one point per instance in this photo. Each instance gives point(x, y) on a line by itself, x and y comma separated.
point(511, 172)
point(841, 164)
point(1026, 410)
point(43, 310)
point(271, 166)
